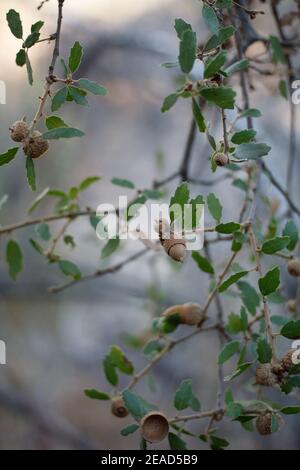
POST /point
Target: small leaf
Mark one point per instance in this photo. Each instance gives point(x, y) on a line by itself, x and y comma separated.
point(278, 55)
point(14, 258)
point(243, 137)
point(36, 246)
point(77, 95)
point(96, 394)
point(249, 296)
point(43, 231)
point(264, 351)
point(21, 58)
point(252, 151)
point(30, 171)
point(231, 280)
point(184, 397)
point(228, 351)
point(290, 230)
point(290, 410)
point(291, 330)
point(87, 182)
point(110, 371)
point(169, 102)
point(36, 27)
point(38, 199)
point(222, 96)
point(130, 429)
point(219, 38)
point(53, 122)
point(123, 183)
point(180, 198)
point(275, 244)
point(111, 246)
point(270, 282)
point(181, 26)
point(198, 116)
point(187, 51)
point(283, 89)
point(59, 98)
point(251, 112)
point(136, 405)
point(120, 360)
point(29, 70)
point(63, 133)
point(70, 269)
point(8, 156)
point(214, 206)
point(214, 64)
point(210, 18)
point(229, 227)
point(92, 87)
point(75, 57)
point(175, 442)
point(237, 67)
point(31, 40)
point(202, 263)
point(14, 23)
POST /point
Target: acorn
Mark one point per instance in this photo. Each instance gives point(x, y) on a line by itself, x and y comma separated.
point(118, 407)
point(292, 305)
point(288, 360)
point(189, 313)
point(264, 424)
point(154, 426)
point(175, 248)
point(19, 131)
point(294, 267)
point(265, 376)
point(35, 146)
point(221, 159)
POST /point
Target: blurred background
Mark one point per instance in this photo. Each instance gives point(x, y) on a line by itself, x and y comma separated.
point(55, 343)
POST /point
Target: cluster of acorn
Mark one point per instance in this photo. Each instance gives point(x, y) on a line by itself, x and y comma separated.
point(34, 145)
point(272, 374)
point(154, 426)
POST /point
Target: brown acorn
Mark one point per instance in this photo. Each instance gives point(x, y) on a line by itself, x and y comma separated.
point(35, 146)
point(287, 361)
point(154, 426)
point(175, 248)
point(189, 313)
point(19, 131)
point(294, 267)
point(265, 376)
point(118, 407)
point(264, 424)
point(292, 305)
point(221, 159)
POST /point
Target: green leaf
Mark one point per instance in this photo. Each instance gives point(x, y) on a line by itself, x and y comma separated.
point(218, 443)
point(120, 360)
point(8, 156)
point(231, 280)
point(14, 258)
point(228, 395)
point(181, 26)
point(36, 27)
point(251, 112)
point(214, 64)
point(36, 246)
point(59, 98)
point(234, 324)
point(169, 102)
point(136, 405)
point(214, 206)
point(222, 96)
point(21, 58)
point(53, 122)
point(87, 182)
point(224, 4)
point(152, 347)
point(194, 211)
point(229, 227)
point(77, 94)
point(175, 442)
point(43, 231)
point(202, 263)
point(240, 370)
point(110, 371)
point(238, 241)
point(278, 55)
point(75, 57)
point(290, 410)
point(92, 87)
point(228, 351)
point(243, 137)
point(38, 199)
point(96, 394)
point(31, 39)
point(249, 296)
point(187, 51)
point(130, 429)
point(30, 171)
point(291, 230)
point(63, 133)
point(210, 18)
point(252, 151)
point(283, 89)
point(291, 330)
point(111, 246)
point(198, 116)
point(123, 182)
point(180, 198)
point(270, 282)
point(69, 269)
point(14, 23)
point(244, 319)
point(219, 38)
point(29, 70)
point(185, 398)
point(153, 193)
point(237, 67)
point(270, 247)
point(264, 351)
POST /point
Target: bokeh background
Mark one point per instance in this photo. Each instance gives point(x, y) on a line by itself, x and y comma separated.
point(55, 343)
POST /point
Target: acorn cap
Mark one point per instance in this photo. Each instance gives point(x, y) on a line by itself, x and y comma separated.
point(265, 376)
point(294, 267)
point(264, 424)
point(154, 426)
point(118, 407)
point(221, 159)
point(19, 131)
point(35, 146)
point(175, 248)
